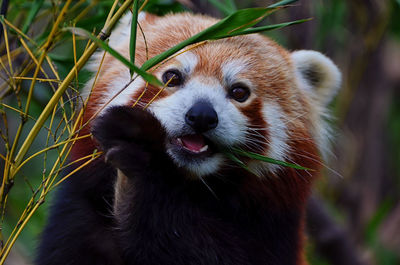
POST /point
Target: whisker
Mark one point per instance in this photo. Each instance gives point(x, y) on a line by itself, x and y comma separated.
point(321, 163)
point(208, 187)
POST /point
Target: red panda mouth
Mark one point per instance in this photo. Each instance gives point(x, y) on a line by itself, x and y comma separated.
point(193, 143)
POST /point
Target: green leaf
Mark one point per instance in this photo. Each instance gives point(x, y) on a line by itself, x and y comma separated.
point(239, 162)
point(267, 159)
point(372, 227)
point(32, 14)
point(236, 160)
point(132, 43)
point(268, 27)
point(235, 23)
point(146, 76)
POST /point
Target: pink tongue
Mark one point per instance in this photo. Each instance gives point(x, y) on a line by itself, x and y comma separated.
point(193, 142)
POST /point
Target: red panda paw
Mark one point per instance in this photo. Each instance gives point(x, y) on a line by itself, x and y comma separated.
point(128, 136)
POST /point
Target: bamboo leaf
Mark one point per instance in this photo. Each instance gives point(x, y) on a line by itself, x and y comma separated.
point(268, 27)
point(132, 43)
point(32, 14)
point(239, 162)
point(237, 22)
point(267, 159)
point(146, 76)
point(236, 160)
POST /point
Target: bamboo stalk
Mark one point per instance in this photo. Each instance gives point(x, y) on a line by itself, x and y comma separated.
point(63, 86)
point(48, 182)
point(9, 176)
point(49, 148)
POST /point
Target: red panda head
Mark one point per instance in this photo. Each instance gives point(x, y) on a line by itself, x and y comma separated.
point(245, 92)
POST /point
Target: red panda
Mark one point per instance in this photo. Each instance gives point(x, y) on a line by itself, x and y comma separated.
point(164, 192)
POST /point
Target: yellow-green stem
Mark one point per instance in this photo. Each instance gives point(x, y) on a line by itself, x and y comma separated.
point(42, 57)
point(64, 85)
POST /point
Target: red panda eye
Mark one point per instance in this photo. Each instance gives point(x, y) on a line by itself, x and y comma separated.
point(175, 76)
point(239, 93)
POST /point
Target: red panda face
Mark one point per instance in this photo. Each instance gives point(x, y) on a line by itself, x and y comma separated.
point(200, 114)
point(245, 92)
point(218, 104)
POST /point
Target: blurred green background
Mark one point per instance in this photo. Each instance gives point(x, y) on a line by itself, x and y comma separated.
point(360, 188)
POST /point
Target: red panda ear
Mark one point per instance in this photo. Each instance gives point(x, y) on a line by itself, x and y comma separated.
point(119, 36)
point(317, 73)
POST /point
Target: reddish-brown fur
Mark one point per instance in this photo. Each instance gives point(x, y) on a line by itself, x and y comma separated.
point(271, 72)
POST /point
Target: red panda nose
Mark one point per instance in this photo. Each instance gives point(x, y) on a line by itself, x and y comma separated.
point(202, 117)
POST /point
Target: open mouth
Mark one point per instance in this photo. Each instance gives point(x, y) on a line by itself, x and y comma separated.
point(193, 144)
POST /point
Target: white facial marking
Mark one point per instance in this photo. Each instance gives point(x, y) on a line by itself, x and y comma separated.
point(200, 168)
point(171, 111)
point(188, 61)
point(277, 147)
point(231, 68)
point(231, 128)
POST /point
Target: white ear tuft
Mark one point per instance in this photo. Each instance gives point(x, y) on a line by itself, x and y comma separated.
point(122, 31)
point(120, 35)
point(318, 74)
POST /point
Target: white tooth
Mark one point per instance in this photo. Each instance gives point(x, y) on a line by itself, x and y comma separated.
point(204, 148)
point(179, 141)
